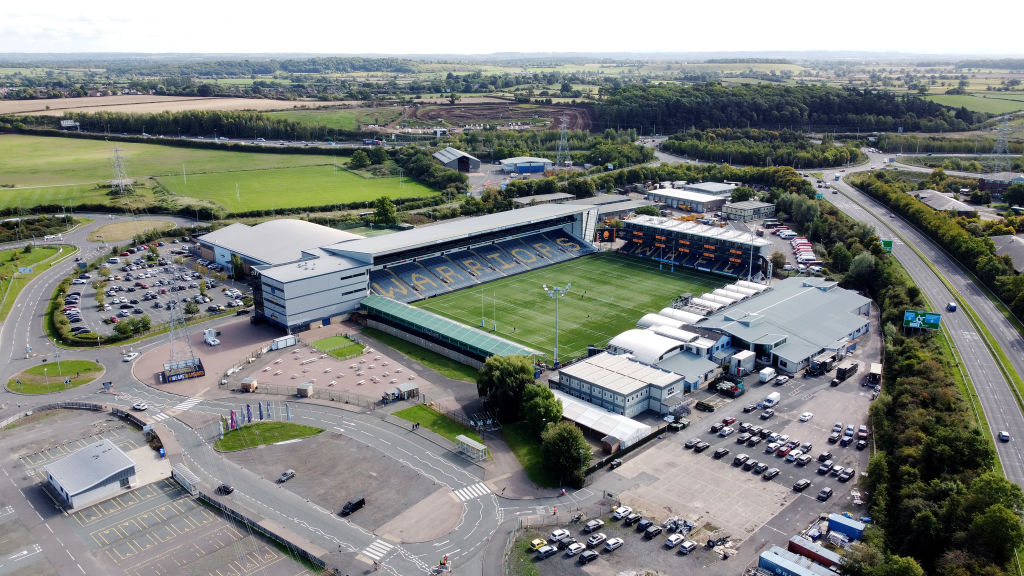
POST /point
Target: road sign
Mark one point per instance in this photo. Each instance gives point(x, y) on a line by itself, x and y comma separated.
point(887, 246)
point(819, 196)
point(24, 269)
point(921, 319)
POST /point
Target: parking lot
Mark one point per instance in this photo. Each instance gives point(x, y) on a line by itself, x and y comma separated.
point(155, 529)
point(142, 283)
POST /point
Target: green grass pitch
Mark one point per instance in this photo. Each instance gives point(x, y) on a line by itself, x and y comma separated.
point(609, 293)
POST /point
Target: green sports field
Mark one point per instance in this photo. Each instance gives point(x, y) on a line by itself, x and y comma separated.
point(609, 293)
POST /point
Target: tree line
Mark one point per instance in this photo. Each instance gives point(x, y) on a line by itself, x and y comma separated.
point(671, 107)
point(759, 147)
point(913, 143)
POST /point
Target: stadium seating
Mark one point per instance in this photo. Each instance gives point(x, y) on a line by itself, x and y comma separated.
point(448, 273)
point(475, 265)
point(500, 260)
point(629, 248)
point(419, 278)
point(569, 244)
point(523, 253)
point(385, 283)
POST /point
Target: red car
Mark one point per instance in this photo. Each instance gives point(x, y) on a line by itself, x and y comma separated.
point(728, 420)
point(125, 253)
point(114, 320)
point(784, 450)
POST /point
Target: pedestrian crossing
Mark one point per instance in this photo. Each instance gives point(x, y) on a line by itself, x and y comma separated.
point(470, 492)
point(378, 549)
point(187, 404)
point(159, 416)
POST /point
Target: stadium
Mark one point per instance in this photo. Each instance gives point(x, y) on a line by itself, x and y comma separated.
point(468, 271)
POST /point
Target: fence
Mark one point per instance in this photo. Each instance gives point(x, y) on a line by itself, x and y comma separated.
point(54, 406)
point(537, 522)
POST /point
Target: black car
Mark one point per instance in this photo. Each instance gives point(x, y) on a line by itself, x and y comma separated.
point(652, 531)
point(824, 494)
point(846, 441)
point(824, 456)
point(588, 556)
point(749, 408)
point(847, 475)
point(721, 452)
point(716, 427)
point(767, 414)
point(770, 473)
point(225, 489)
point(614, 464)
point(632, 519)
point(749, 464)
point(861, 444)
point(760, 468)
point(740, 459)
point(644, 524)
point(565, 542)
point(701, 446)
point(834, 437)
point(691, 443)
point(801, 485)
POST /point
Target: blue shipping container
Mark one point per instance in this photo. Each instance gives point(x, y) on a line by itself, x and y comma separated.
point(846, 526)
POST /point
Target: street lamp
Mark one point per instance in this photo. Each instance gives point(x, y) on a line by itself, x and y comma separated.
point(47, 379)
point(556, 292)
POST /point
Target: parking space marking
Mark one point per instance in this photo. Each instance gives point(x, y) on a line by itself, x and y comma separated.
point(470, 492)
point(378, 549)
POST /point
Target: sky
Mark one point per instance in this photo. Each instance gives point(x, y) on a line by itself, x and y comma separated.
point(485, 27)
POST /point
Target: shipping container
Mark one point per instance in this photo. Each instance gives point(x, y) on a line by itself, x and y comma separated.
point(283, 342)
point(784, 563)
point(847, 369)
point(846, 526)
point(816, 552)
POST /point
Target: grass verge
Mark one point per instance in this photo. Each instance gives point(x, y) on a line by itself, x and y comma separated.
point(522, 561)
point(440, 364)
point(527, 450)
point(436, 422)
point(49, 377)
point(260, 433)
point(12, 281)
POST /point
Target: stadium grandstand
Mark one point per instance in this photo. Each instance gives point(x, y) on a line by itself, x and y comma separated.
point(691, 245)
point(329, 281)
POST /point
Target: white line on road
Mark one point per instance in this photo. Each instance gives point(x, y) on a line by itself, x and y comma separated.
point(69, 554)
point(48, 528)
point(80, 568)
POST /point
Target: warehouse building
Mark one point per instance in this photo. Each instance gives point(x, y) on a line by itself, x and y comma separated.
point(944, 203)
point(997, 183)
point(782, 562)
point(717, 189)
point(748, 210)
point(794, 321)
point(457, 160)
point(93, 474)
point(686, 200)
point(525, 165)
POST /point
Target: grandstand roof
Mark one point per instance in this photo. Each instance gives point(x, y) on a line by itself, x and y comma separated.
point(645, 345)
point(447, 329)
point(543, 198)
point(626, 430)
point(696, 229)
point(619, 207)
point(621, 374)
point(452, 230)
point(316, 263)
point(275, 241)
point(448, 154)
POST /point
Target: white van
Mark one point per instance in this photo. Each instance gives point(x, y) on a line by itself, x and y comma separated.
point(113, 260)
point(786, 235)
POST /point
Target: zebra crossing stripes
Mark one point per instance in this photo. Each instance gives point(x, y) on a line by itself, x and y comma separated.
point(159, 416)
point(470, 492)
point(187, 404)
point(378, 549)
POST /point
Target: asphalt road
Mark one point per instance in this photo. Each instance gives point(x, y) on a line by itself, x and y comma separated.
point(997, 399)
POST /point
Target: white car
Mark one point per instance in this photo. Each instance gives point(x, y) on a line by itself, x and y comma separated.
point(782, 379)
point(558, 535)
point(140, 406)
point(131, 356)
point(574, 549)
point(621, 512)
point(806, 416)
point(613, 544)
point(673, 539)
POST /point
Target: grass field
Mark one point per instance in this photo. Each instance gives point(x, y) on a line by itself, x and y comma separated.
point(342, 119)
point(990, 105)
point(121, 231)
point(272, 189)
point(259, 433)
point(338, 346)
point(436, 422)
point(609, 293)
point(49, 377)
point(38, 170)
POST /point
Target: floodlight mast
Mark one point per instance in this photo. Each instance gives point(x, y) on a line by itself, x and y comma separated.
point(556, 292)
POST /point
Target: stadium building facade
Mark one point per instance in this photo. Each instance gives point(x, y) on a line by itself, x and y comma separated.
point(329, 281)
point(692, 245)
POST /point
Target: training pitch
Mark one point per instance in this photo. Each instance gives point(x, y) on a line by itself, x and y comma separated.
point(609, 293)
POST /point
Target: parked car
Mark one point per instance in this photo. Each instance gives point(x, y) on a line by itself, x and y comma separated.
point(286, 476)
point(824, 494)
point(613, 544)
point(770, 473)
point(225, 489)
point(574, 549)
point(806, 416)
point(691, 443)
point(546, 551)
point(673, 540)
point(596, 540)
point(801, 485)
point(632, 519)
point(767, 414)
point(687, 547)
point(593, 525)
point(720, 453)
point(620, 513)
point(701, 446)
point(652, 531)
point(847, 474)
point(588, 556)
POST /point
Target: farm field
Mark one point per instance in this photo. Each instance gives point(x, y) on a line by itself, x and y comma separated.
point(343, 119)
point(609, 293)
point(143, 104)
point(277, 188)
point(991, 104)
point(37, 170)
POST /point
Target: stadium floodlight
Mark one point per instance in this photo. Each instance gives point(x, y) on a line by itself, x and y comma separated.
point(556, 293)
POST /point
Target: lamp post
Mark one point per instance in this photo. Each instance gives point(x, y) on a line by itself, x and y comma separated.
point(47, 379)
point(556, 292)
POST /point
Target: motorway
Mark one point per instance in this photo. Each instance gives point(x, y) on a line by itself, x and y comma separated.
point(994, 392)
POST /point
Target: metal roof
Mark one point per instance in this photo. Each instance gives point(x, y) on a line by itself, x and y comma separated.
point(445, 329)
point(553, 197)
point(620, 373)
point(275, 241)
point(448, 154)
point(316, 262)
point(943, 203)
point(645, 345)
point(1012, 246)
point(689, 195)
point(88, 467)
point(710, 187)
point(453, 230)
point(748, 204)
point(626, 430)
point(627, 206)
point(599, 199)
point(701, 230)
point(526, 160)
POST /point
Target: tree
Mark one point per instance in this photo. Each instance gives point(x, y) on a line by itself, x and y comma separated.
point(862, 271)
point(540, 408)
point(778, 261)
point(899, 566)
point(742, 193)
point(377, 155)
point(384, 212)
point(453, 98)
point(648, 211)
point(144, 323)
point(123, 329)
point(191, 308)
point(237, 267)
point(503, 381)
point(566, 453)
point(997, 533)
point(359, 160)
point(1014, 195)
point(840, 258)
